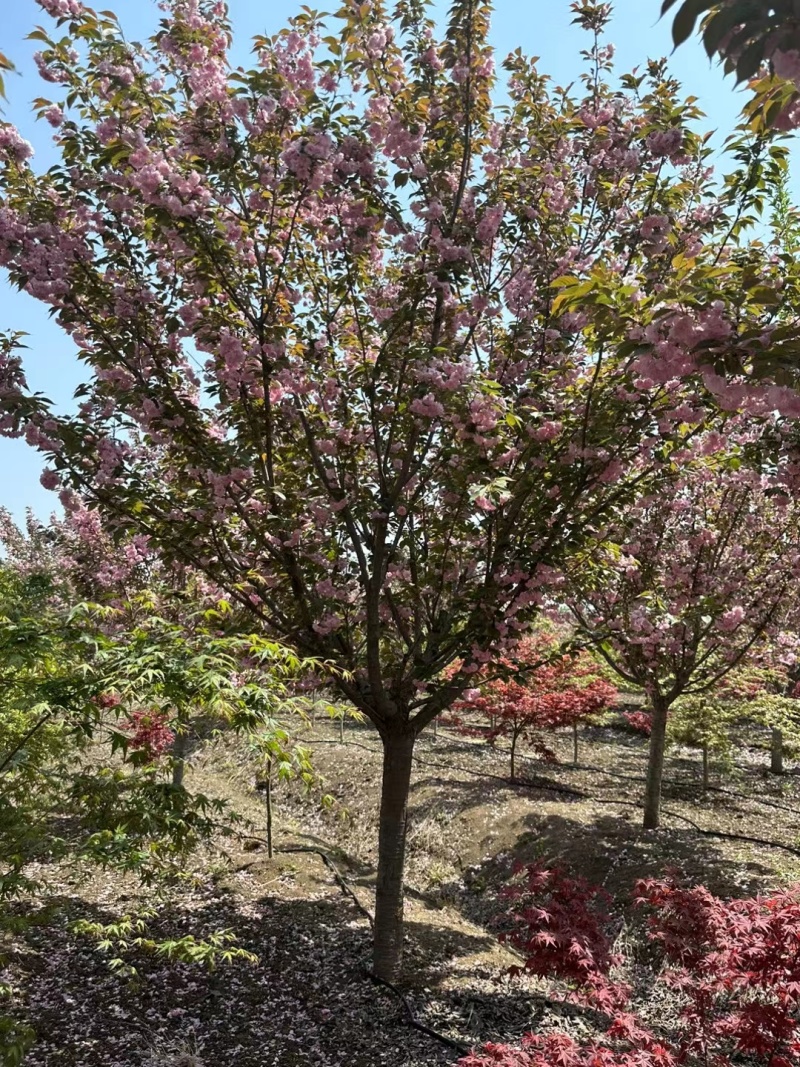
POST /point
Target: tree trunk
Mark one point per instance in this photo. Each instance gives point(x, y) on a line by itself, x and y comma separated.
point(387, 955)
point(776, 751)
point(513, 757)
point(655, 766)
point(575, 744)
point(705, 768)
point(341, 727)
point(268, 802)
point(179, 747)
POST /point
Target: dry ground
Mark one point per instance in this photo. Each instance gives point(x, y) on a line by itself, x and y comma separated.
point(308, 1001)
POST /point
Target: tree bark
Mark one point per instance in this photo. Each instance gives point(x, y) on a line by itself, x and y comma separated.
point(179, 748)
point(575, 744)
point(268, 802)
point(387, 956)
point(705, 768)
point(655, 766)
point(513, 757)
point(776, 751)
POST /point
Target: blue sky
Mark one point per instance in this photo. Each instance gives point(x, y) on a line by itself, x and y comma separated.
point(540, 27)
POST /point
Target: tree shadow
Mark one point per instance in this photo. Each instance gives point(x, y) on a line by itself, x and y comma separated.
point(612, 850)
point(308, 1001)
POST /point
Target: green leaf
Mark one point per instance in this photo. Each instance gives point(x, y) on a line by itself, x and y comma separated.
point(749, 62)
point(722, 21)
point(684, 22)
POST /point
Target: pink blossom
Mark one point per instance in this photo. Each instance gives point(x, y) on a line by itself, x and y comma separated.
point(13, 145)
point(548, 431)
point(54, 115)
point(731, 619)
point(59, 9)
point(787, 64)
point(664, 142)
point(654, 226)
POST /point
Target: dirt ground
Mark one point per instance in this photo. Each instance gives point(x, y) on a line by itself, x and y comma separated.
point(308, 1000)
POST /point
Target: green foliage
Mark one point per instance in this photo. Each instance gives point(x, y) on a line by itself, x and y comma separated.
point(46, 716)
point(339, 712)
point(779, 712)
point(279, 756)
point(16, 1037)
point(6, 66)
point(704, 720)
point(743, 31)
point(745, 34)
point(74, 789)
point(140, 823)
point(129, 935)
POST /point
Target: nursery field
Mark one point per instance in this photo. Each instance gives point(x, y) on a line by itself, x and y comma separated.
point(308, 1000)
point(408, 671)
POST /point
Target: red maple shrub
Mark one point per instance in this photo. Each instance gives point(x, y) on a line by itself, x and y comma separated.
point(514, 711)
point(640, 721)
point(563, 928)
point(106, 701)
point(735, 965)
point(149, 733)
point(560, 1050)
point(549, 692)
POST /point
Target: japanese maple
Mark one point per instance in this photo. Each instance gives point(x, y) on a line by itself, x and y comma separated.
point(149, 732)
point(734, 964)
point(640, 721)
point(539, 691)
point(371, 351)
point(562, 927)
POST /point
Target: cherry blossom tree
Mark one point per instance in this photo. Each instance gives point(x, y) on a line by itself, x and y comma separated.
point(684, 585)
point(371, 352)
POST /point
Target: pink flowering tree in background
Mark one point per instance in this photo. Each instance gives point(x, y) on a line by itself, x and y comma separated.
point(683, 587)
point(371, 353)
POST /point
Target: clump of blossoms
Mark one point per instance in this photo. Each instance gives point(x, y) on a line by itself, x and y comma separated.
point(370, 349)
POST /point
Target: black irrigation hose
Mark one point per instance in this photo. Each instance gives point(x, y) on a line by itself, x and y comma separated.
point(411, 1017)
point(757, 800)
point(565, 789)
point(699, 829)
point(338, 877)
point(710, 789)
point(347, 889)
point(597, 800)
point(733, 837)
point(621, 803)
